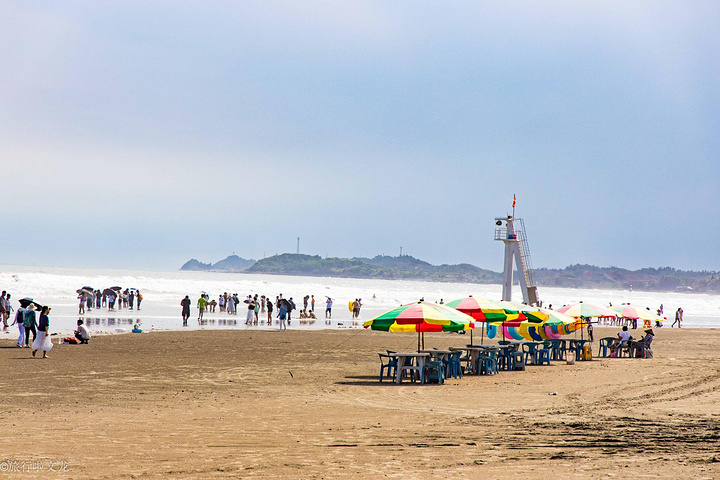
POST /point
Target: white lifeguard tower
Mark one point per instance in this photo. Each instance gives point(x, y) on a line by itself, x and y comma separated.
point(511, 230)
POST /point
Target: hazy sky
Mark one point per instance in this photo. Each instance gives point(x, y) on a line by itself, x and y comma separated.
point(143, 133)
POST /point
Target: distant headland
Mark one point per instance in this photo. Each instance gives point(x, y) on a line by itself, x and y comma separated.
point(406, 267)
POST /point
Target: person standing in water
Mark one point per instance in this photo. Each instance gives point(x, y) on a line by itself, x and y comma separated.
point(282, 312)
point(269, 306)
point(185, 303)
point(201, 307)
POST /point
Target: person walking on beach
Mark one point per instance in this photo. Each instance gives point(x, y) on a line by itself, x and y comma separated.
point(131, 298)
point(185, 304)
point(306, 299)
point(201, 307)
point(312, 303)
point(678, 318)
point(5, 309)
point(328, 308)
point(8, 311)
point(43, 342)
point(19, 316)
point(138, 298)
point(30, 322)
point(2, 309)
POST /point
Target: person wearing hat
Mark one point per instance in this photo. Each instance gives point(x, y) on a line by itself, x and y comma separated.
point(30, 323)
point(642, 346)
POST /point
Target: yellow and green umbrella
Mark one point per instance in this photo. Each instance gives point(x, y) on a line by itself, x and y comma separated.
point(421, 317)
point(484, 310)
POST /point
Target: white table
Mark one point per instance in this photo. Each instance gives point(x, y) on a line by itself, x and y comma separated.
point(405, 363)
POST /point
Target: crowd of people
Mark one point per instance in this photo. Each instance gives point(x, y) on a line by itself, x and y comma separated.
point(28, 322)
point(129, 298)
point(259, 309)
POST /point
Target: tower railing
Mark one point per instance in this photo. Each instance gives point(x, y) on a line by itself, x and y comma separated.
point(525, 259)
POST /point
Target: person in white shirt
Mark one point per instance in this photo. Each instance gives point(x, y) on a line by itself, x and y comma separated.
point(81, 333)
point(623, 336)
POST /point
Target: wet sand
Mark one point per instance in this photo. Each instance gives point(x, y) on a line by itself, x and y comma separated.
point(307, 404)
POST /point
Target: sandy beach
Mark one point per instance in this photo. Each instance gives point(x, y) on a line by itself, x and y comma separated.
point(307, 404)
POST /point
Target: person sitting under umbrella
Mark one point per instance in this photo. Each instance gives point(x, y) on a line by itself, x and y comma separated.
point(623, 336)
point(644, 345)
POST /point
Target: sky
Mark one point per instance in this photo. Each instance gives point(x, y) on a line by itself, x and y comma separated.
point(140, 134)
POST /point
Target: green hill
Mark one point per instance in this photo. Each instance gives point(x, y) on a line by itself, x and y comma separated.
point(410, 268)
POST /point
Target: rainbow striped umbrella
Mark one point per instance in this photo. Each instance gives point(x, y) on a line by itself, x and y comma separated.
point(554, 326)
point(421, 317)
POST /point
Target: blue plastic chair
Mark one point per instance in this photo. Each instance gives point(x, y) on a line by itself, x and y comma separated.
point(388, 364)
point(453, 368)
point(518, 361)
point(605, 343)
point(543, 356)
point(434, 371)
point(506, 359)
point(530, 351)
point(624, 348)
point(487, 363)
point(558, 349)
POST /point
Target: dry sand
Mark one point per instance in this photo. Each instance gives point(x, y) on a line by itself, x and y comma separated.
point(307, 404)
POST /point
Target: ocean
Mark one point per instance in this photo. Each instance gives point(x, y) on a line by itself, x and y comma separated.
point(163, 291)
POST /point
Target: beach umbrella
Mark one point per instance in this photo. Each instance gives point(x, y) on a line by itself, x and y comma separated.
point(484, 310)
point(633, 312)
point(84, 291)
point(552, 327)
point(108, 291)
point(117, 289)
point(421, 317)
point(24, 302)
point(585, 311)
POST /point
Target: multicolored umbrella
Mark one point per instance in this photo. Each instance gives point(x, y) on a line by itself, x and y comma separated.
point(587, 310)
point(484, 310)
point(554, 326)
point(634, 312)
point(421, 317)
